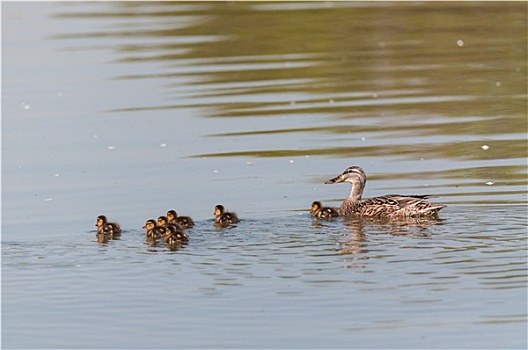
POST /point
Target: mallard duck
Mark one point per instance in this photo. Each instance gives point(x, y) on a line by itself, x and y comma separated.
point(184, 221)
point(318, 211)
point(153, 230)
point(392, 206)
point(108, 228)
point(223, 217)
point(175, 236)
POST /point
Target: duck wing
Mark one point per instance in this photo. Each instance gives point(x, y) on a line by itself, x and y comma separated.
point(398, 200)
point(400, 205)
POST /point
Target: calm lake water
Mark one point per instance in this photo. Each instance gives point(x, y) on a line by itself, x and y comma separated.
point(129, 109)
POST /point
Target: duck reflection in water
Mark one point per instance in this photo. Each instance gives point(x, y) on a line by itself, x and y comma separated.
point(363, 228)
point(356, 243)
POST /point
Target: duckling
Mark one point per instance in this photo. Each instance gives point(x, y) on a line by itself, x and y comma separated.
point(163, 221)
point(183, 221)
point(223, 217)
point(175, 236)
point(154, 231)
point(108, 228)
point(391, 206)
point(318, 211)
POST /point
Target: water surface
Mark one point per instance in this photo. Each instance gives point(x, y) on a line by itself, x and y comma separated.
point(130, 109)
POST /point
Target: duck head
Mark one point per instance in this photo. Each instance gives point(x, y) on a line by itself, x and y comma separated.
point(219, 210)
point(162, 220)
point(101, 220)
point(353, 174)
point(172, 215)
point(315, 206)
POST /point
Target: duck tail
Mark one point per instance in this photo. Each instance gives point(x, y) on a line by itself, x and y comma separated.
point(432, 210)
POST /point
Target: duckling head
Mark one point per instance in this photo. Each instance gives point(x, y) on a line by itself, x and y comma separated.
point(169, 230)
point(150, 224)
point(315, 206)
point(219, 210)
point(172, 215)
point(162, 220)
point(101, 220)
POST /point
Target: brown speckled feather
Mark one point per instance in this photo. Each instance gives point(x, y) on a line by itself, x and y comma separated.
point(392, 206)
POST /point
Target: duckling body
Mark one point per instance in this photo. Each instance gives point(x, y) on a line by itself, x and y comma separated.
point(318, 211)
point(223, 217)
point(392, 206)
point(153, 231)
point(183, 221)
point(111, 229)
point(175, 236)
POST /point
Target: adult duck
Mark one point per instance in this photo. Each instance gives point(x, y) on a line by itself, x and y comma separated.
point(391, 206)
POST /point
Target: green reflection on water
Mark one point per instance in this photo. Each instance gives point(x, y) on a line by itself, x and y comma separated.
point(433, 80)
point(466, 150)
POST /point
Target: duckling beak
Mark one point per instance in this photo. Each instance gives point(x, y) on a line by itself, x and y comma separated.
point(144, 226)
point(335, 180)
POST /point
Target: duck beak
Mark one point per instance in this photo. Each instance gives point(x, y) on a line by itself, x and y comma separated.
point(335, 180)
point(144, 227)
